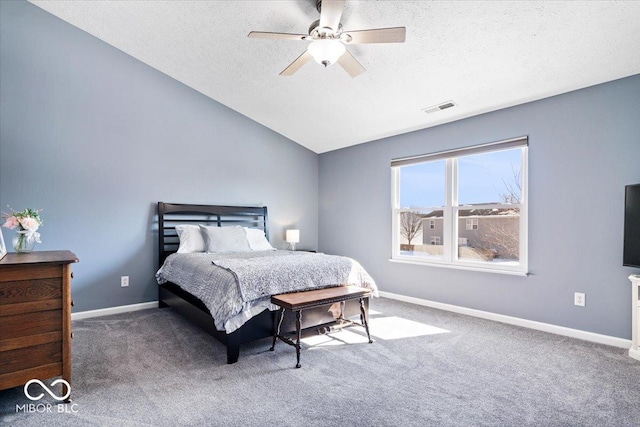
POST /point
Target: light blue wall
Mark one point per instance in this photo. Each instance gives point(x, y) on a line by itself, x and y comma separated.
point(95, 138)
point(584, 147)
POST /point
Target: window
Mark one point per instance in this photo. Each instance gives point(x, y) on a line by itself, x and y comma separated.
point(463, 208)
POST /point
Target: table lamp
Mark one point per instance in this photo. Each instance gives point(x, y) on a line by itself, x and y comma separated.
point(293, 237)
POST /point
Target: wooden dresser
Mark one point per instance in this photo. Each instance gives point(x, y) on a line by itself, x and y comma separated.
point(35, 317)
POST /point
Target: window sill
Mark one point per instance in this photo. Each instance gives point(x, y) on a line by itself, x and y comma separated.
point(459, 267)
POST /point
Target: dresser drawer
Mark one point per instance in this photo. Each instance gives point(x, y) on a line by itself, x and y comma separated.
point(30, 357)
point(20, 291)
point(18, 272)
point(26, 324)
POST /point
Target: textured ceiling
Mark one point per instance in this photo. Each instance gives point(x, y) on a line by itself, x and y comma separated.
point(482, 55)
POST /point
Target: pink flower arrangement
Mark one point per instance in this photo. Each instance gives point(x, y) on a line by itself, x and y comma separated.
point(28, 221)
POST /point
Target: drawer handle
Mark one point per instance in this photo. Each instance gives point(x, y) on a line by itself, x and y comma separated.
point(71, 335)
point(72, 303)
point(72, 274)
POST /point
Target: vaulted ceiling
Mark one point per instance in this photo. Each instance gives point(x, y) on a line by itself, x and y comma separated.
point(482, 55)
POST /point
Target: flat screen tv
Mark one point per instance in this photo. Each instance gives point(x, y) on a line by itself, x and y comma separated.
point(631, 254)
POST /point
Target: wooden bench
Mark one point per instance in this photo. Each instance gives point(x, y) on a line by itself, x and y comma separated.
point(299, 301)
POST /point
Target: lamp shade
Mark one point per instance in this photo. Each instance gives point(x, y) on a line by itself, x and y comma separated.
point(326, 51)
point(293, 236)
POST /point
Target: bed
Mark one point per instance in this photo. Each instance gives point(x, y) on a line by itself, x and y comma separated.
point(263, 321)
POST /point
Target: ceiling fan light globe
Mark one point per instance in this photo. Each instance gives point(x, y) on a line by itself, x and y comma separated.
point(326, 51)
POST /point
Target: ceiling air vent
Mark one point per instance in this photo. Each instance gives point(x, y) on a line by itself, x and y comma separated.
point(439, 107)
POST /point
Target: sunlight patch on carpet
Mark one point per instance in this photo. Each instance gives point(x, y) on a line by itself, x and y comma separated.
point(393, 328)
point(345, 336)
point(385, 328)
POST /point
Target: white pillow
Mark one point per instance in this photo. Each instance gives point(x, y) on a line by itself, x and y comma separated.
point(257, 240)
point(225, 239)
point(190, 239)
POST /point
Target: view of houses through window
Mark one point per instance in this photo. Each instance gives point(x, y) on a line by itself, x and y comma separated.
point(463, 209)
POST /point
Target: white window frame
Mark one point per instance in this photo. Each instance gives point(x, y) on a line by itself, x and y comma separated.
point(432, 224)
point(451, 209)
point(472, 224)
point(434, 240)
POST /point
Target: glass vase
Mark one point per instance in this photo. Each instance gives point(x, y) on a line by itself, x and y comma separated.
point(22, 243)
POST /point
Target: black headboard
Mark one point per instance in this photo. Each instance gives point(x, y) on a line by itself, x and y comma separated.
point(172, 214)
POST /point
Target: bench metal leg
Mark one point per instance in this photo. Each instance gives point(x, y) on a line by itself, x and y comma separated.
point(363, 318)
point(277, 331)
point(298, 327)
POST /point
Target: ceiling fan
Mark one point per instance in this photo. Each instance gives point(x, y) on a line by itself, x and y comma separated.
point(328, 40)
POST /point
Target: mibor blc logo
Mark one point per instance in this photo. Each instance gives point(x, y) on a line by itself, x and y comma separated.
point(47, 389)
point(47, 407)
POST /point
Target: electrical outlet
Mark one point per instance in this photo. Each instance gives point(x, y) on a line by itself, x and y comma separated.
point(579, 299)
point(124, 281)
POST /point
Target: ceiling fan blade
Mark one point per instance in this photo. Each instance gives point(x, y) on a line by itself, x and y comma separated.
point(330, 13)
point(351, 64)
point(267, 35)
point(297, 64)
point(378, 35)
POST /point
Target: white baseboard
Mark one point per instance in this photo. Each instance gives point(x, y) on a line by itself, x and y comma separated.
point(113, 310)
point(634, 353)
point(531, 324)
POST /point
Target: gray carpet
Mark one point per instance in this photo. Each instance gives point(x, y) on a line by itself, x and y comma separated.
point(426, 367)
